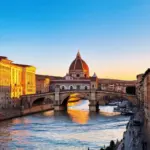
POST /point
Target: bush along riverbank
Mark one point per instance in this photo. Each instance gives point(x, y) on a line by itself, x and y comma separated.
point(112, 146)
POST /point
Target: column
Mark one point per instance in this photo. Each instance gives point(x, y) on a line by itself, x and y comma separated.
point(93, 106)
point(57, 102)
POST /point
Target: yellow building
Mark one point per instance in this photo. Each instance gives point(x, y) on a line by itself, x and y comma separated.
point(16, 79)
point(42, 83)
point(5, 74)
point(28, 80)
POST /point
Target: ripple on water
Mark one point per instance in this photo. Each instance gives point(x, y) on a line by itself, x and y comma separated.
point(75, 130)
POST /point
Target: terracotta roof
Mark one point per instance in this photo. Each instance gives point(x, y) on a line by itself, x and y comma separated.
point(56, 77)
point(78, 64)
point(42, 76)
point(3, 57)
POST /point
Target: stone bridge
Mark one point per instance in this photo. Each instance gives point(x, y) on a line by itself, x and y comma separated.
point(60, 98)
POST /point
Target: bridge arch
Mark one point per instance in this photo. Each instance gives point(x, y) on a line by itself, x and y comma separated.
point(38, 101)
point(67, 95)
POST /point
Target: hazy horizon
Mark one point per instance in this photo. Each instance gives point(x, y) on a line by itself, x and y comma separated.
point(113, 36)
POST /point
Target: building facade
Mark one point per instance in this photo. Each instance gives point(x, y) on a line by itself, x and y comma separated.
point(146, 96)
point(78, 77)
point(5, 80)
point(140, 90)
point(15, 80)
point(143, 95)
point(115, 85)
point(42, 84)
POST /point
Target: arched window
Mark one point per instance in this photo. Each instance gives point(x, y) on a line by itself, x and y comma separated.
point(78, 87)
point(86, 88)
point(71, 88)
point(78, 75)
point(63, 88)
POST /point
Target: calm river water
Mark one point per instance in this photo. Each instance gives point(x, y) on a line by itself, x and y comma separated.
point(76, 129)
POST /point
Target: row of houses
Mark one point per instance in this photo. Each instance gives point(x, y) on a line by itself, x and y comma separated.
point(15, 80)
point(143, 96)
point(20, 79)
point(115, 85)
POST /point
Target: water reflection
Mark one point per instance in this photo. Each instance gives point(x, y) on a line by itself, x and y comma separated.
point(48, 113)
point(78, 110)
point(20, 121)
point(79, 116)
point(5, 135)
point(76, 129)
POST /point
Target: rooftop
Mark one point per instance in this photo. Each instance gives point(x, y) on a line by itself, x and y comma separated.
point(147, 71)
point(22, 65)
point(3, 57)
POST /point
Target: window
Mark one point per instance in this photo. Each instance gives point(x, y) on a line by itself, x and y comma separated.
point(78, 87)
point(86, 88)
point(78, 75)
point(71, 88)
point(63, 88)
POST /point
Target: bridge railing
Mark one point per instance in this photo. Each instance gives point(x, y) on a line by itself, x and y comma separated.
point(77, 90)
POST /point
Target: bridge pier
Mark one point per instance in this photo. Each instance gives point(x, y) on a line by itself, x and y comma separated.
point(60, 108)
point(93, 108)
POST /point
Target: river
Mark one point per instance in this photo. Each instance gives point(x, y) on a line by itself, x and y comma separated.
point(76, 129)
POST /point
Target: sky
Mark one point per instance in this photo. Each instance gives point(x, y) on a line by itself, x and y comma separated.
point(113, 36)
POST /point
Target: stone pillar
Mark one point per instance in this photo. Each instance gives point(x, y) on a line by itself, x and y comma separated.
point(57, 92)
point(93, 106)
point(57, 101)
point(59, 108)
point(29, 102)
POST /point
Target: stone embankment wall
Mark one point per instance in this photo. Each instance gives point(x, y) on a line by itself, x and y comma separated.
point(14, 112)
point(133, 138)
point(36, 109)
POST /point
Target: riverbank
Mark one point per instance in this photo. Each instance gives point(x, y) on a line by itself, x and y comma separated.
point(133, 138)
point(73, 129)
point(11, 113)
point(7, 114)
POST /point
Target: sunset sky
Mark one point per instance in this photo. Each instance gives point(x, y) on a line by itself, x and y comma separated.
point(113, 35)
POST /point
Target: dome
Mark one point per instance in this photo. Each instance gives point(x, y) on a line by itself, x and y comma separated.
point(79, 65)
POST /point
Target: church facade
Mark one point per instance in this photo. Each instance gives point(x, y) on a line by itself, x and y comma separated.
point(78, 77)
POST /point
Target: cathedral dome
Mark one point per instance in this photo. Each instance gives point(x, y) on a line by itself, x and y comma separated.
point(79, 67)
